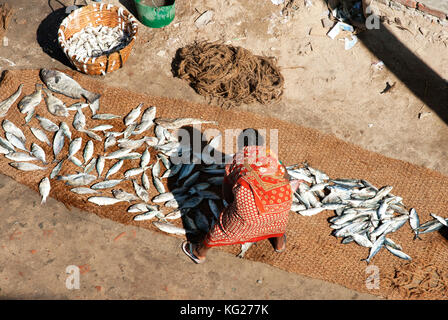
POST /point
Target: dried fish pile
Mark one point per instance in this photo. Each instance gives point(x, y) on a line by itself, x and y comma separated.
point(97, 41)
point(365, 214)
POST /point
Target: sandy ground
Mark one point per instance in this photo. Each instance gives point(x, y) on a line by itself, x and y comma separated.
point(326, 87)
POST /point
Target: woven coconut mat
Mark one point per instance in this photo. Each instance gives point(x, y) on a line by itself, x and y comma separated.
point(311, 250)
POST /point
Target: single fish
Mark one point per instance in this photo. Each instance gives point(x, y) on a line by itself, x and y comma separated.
point(25, 166)
point(142, 207)
point(362, 240)
point(191, 179)
point(91, 134)
point(30, 102)
point(104, 201)
point(74, 147)
point(164, 197)
point(244, 247)
point(106, 184)
point(181, 122)
point(146, 216)
point(117, 154)
point(56, 169)
point(123, 195)
point(38, 152)
point(105, 116)
point(66, 130)
point(214, 209)
point(145, 181)
point(79, 120)
point(40, 135)
point(186, 170)
point(29, 116)
point(156, 169)
point(44, 189)
point(398, 253)
point(88, 151)
point(192, 202)
point(10, 127)
point(7, 103)
point(4, 150)
point(142, 127)
point(131, 144)
point(100, 165)
point(77, 105)
point(133, 172)
point(133, 115)
point(158, 184)
point(201, 221)
point(61, 83)
point(54, 105)
point(149, 114)
point(140, 191)
point(15, 141)
point(7, 145)
point(414, 222)
point(174, 215)
point(91, 165)
point(440, 219)
point(47, 124)
point(58, 143)
point(129, 129)
point(110, 141)
point(102, 127)
point(377, 245)
point(79, 180)
point(169, 228)
point(20, 156)
point(146, 157)
point(130, 156)
point(114, 169)
point(83, 190)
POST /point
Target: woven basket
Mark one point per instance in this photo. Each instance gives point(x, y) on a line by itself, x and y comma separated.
point(95, 15)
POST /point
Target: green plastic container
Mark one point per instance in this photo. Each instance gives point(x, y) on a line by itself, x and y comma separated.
point(153, 16)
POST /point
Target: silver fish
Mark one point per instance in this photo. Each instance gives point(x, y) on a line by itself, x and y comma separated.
point(142, 127)
point(156, 169)
point(47, 124)
point(169, 228)
point(105, 116)
point(158, 184)
point(44, 189)
point(102, 127)
point(131, 144)
point(56, 169)
point(145, 181)
point(377, 245)
point(54, 105)
point(100, 165)
point(94, 106)
point(114, 169)
point(146, 216)
point(3, 150)
point(244, 247)
point(76, 161)
point(149, 114)
point(178, 123)
point(414, 222)
point(142, 207)
point(28, 103)
point(146, 157)
point(20, 156)
point(40, 135)
point(38, 152)
point(29, 116)
point(77, 105)
point(83, 190)
point(133, 172)
point(80, 180)
point(79, 120)
point(25, 166)
point(110, 141)
point(106, 184)
point(74, 147)
point(398, 253)
point(130, 156)
point(16, 142)
point(140, 191)
point(66, 130)
point(128, 131)
point(120, 194)
point(7, 103)
point(88, 151)
point(167, 196)
point(173, 215)
point(58, 143)
point(104, 201)
point(61, 83)
point(133, 115)
point(117, 154)
point(8, 126)
point(440, 219)
point(362, 240)
point(91, 134)
point(171, 172)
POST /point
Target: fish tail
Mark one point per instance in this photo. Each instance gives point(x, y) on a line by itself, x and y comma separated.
point(90, 96)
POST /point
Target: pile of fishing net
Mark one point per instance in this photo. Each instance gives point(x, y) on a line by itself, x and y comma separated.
point(230, 75)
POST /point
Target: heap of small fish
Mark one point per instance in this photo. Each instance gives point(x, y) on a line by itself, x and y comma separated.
point(97, 41)
point(365, 214)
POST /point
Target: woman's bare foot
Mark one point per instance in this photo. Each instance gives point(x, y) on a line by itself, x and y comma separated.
point(280, 243)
